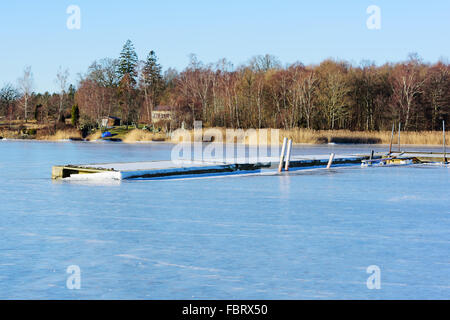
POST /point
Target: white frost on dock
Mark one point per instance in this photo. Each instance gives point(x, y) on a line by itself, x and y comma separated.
point(100, 176)
point(170, 169)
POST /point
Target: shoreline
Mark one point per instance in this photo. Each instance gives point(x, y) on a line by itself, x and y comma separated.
point(249, 137)
point(245, 144)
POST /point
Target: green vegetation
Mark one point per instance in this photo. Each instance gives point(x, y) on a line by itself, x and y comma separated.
point(75, 115)
point(118, 132)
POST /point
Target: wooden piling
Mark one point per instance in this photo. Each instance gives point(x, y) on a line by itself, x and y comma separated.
point(443, 141)
point(330, 162)
point(392, 138)
point(283, 150)
point(288, 155)
point(399, 130)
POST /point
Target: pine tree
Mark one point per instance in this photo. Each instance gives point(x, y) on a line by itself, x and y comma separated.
point(152, 70)
point(128, 62)
point(75, 115)
point(127, 92)
point(152, 82)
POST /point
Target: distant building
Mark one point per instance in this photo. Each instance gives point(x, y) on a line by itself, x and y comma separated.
point(162, 113)
point(109, 122)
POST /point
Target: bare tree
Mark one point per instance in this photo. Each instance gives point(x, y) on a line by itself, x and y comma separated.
point(265, 63)
point(61, 81)
point(333, 91)
point(407, 84)
point(308, 88)
point(8, 99)
point(200, 83)
point(26, 87)
point(104, 73)
point(438, 93)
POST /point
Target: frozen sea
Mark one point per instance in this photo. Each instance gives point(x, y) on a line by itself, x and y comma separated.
point(303, 235)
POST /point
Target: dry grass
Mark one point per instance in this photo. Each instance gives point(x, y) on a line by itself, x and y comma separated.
point(8, 134)
point(370, 137)
point(422, 138)
point(30, 124)
point(297, 135)
point(94, 136)
point(340, 136)
point(61, 135)
point(138, 135)
point(337, 136)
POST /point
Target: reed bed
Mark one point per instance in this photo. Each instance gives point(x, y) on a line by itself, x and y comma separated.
point(368, 137)
point(61, 135)
point(138, 135)
point(253, 136)
point(94, 136)
point(8, 134)
point(308, 136)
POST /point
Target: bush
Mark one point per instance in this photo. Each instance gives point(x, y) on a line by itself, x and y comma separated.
point(75, 116)
point(355, 140)
point(87, 125)
point(322, 140)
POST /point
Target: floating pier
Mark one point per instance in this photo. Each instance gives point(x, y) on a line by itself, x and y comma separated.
point(187, 168)
point(169, 169)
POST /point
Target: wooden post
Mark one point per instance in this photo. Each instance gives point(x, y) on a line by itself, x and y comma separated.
point(443, 141)
point(371, 155)
point(330, 162)
point(288, 155)
point(399, 130)
point(283, 149)
point(392, 138)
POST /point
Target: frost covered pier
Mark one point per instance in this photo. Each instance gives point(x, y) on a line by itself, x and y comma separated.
point(182, 168)
point(188, 168)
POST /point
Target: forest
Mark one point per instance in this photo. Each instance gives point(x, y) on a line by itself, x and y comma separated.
point(262, 93)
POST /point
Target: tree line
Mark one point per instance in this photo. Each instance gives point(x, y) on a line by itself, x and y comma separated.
point(259, 94)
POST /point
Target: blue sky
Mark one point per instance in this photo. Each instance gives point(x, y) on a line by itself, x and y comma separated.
point(35, 33)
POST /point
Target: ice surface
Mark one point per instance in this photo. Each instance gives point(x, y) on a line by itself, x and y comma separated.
point(302, 235)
